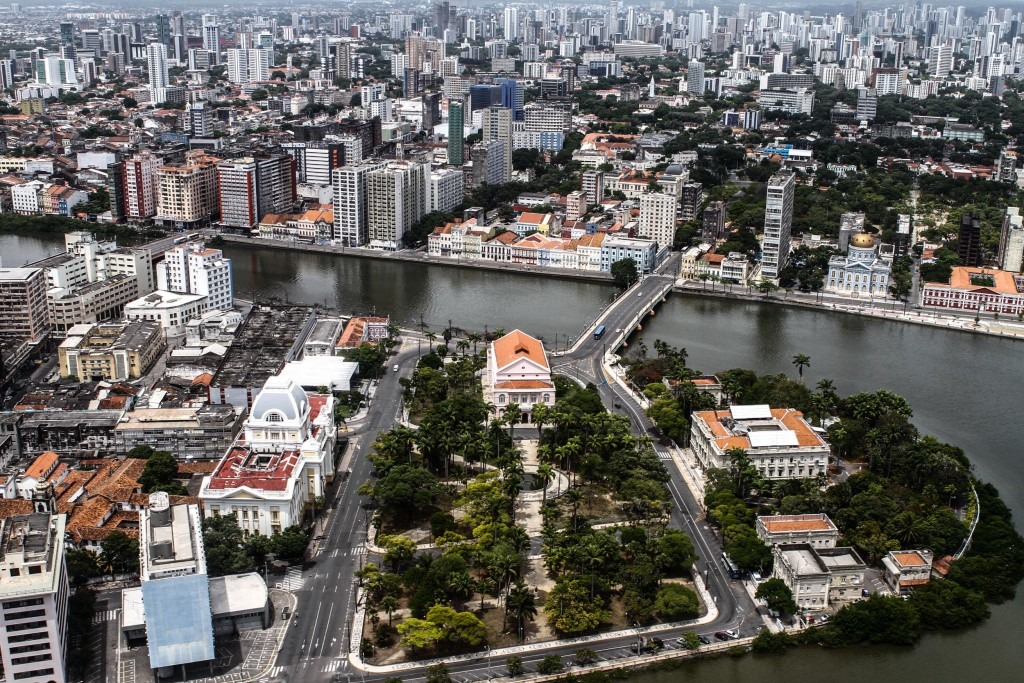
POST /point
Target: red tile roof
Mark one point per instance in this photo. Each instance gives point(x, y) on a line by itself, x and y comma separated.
point(238, 469)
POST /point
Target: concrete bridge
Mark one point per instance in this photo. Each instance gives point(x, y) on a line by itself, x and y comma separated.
point(624, 316)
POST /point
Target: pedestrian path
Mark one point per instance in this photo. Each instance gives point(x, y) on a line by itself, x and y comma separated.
point(293, 580)
point(333, 666)
point(106, 615)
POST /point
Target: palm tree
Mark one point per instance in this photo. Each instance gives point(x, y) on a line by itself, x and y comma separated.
point(575, 498)
point(541, 415)
point(521, 603)
point(826, 386)
point(462, 345)
point(460, 584)
point(545, 473)
point(389, 603)
point(431, 338)
point(475, 338)
point(801, 361)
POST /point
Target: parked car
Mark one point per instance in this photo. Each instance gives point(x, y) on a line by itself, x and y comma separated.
point(721, 635)
point(865, 593)
point(396, 367)
point(732, 634)
point(704, 640)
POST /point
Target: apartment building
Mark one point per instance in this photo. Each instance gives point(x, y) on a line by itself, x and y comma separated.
point(251, 188)
point(115, 352)
point(778, 221)
point(187, 194)
point(140, 186)
point(658, 217)
point(351, 213)
point(23, 311)
point(396, 198)
point(194, 268)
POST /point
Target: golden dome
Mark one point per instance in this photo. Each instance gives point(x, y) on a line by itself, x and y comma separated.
point(862, 240)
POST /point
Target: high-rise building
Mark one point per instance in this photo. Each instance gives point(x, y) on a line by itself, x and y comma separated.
point(431, 111)
point(200, 120)
point(175, 584)
point(351, 226)
point(658, 217)
point(34, 593)
point(867, 104)
point(511, 23)
point(497, 125)
point(187, 194)
point(1011, 241)
point(211, 39)
point(248, 66)
point(445, 189)
point(163, 29)
point(488, 163)
point(396, 199)
point(23, 308)
point(593, 186)
point(778, 222)
point(691, 197)
point(156, 64)
point(969, 241)
point(194, 268)
point(695, 78)
point(940, 61)
point(6, 74)
point(140, 185)
point(456, 134)
point(343, 60)
point(575, 205)
point(1006, 167)
point(713, 222)
point(251, 188)
point(513, 97)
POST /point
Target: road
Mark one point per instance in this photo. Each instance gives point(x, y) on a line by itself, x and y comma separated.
point(316, 645)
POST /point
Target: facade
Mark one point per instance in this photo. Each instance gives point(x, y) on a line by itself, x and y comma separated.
point(280, 462)
point(175, 585)
point(690, 200)
point(203, 433)
point(575, 205)
point(251, 188)
point(34, 596)
point(907, 569)
point(658, 217)
point(396, 199)
point(94, 302)
point(969, 240)
point(488, 167)
point(194, 268)
point(497, 125)
point(456, 135)
point(977, 290)
point(593, 186)
point(778, 220)
point(778, 441)
point(23, 309)
point(187, 194)
point(643, 252)
point(1011, 241)
point(444, 189)
point(250, 65)
point(798, 101)
point(172, 310)
point(819, 577)
point(815, 530)
point(713, 222)
point(518, 373)
point(862, 272)
point(112, 351)
point(351, 194)
point(140, 186)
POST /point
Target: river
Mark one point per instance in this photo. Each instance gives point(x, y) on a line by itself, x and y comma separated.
point(963, 388)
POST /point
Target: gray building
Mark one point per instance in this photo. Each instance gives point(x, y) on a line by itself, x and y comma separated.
point(203, 433)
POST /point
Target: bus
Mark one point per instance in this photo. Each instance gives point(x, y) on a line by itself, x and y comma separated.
point(599, 332)
point(730, 566)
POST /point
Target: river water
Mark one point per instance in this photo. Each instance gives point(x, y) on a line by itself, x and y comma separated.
point(965, 389)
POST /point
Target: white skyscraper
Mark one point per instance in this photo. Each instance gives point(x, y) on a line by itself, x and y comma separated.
point(695, 77)
point(350, 202)
point(248, 66)
point(511, 24)
point(156, 64)
point(396, 198)
point(195, 269)
point(778, 220)
point(658, 217)
point(211, 38)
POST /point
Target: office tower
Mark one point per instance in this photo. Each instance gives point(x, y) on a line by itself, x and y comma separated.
point(658, 217)
point(67, 33)
point(940, 61)
point(23, 307)
point(690, 200)
point(34, 593)
point(179, 47)
point(140, 185)
point(196, 269)
point(200, 120)
point(497, 125)
point(867, 104)
point(199, 59)
point(351, 227)
point(713, 222)
point(695, 78)
point(175, 586)
point(593, 186)
point(211, 39)
point(156, 64)
point(178, 23)
point(431, 111)
point(969, 241)
point(251, 188)
point(511, 23)
point(6, 74)
point(482, 96)
point(778, 222)
point(513, 97)
point(396, 199)
point(456, 136)
point(115, 190)
point(1011, 241)
point(163, 29)
point(53, 70)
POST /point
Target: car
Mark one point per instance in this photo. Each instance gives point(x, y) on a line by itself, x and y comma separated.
point(286, 613)
point(704, 640)
point(656, 643)
point(721, 635)
point(618, 406)
point(865, 593)
point(396, 367)
point(733, 634)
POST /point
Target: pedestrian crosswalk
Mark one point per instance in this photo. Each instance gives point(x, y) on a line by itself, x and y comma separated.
point(664, 455)
point(359, 550)
point(275, 671)
point(106, 615)
point(293, 580)
point(331, 666)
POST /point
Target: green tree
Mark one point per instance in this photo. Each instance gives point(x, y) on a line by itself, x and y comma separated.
point(406, 491)
point(160, 474)
point(398, 550)
point(675, 602)
point(676, 553)
point(773, 643)
point(120, 553)
point(947, 605)
point(82, 566)
point(691, 641)
point(514, 665)
point(223, 541)
point(585, 656)
point(551, 664)
point(290, 544)
point(801, 361)
point(625, 273)
point(777, 596)
point(570, 609)
point(877, 620)
point(419, 634)
point(258, 95)
point(438, 673)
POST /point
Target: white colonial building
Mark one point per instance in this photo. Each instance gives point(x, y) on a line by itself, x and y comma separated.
point(279, 463)
point(518, 372)
point(864, 271)
point(778, 441)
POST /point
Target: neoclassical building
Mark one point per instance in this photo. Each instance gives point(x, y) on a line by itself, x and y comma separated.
point(518, 372)
point(864, 271)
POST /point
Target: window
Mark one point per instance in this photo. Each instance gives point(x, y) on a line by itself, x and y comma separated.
point(274, 417)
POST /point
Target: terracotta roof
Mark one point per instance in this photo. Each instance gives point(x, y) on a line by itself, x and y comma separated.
point(791, 419)
point(783, 526)
point(524, 384)
point(14, 506)
point(942, 564)
point(913, 582)
point(909, 559)
point(203, 379)
point(517, 344)
point(235, 471)
point(1003, 281)
point(42, 465)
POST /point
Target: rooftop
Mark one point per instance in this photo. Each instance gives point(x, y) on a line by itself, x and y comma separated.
point(517, 345)
point(754, 427)
point(262, 345)
point(33, 541)
point(244, 468)
point(778, 524)
point(162, 299)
